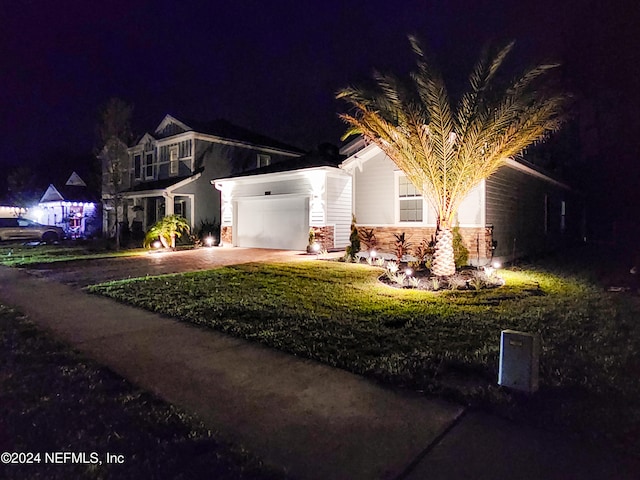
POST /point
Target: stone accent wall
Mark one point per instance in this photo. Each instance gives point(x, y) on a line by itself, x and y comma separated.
point(324, 236)
point(226, 235)
point(476, 239)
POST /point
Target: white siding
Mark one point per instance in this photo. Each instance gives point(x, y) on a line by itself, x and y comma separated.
point(470, 212)
point(339, 194)
point(375, 192)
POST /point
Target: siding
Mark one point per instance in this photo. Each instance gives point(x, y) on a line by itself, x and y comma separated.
point(515, 206)
point(375, 192)
point(339, 194)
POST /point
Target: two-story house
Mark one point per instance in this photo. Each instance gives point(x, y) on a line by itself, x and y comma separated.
point(170, 170)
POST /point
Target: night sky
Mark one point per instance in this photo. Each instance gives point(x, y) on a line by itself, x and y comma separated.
point(275, 66)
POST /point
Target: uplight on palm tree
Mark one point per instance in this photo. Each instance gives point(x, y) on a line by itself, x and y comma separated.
point(447, 151)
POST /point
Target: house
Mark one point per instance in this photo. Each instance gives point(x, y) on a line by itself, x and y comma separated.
point(72, 207)
point(518, 211)
point(168, 171)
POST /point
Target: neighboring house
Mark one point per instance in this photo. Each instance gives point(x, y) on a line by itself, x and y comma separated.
point(72, 207)
point(277, 206)
point(517, 211)
point(169, 171)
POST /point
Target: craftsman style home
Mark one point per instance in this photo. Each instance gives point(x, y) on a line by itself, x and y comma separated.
point(169, 170)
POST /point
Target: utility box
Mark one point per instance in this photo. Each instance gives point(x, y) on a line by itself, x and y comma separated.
point(519, 360)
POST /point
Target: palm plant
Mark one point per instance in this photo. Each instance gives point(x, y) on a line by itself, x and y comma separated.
point(167, 230)
point(444, 152)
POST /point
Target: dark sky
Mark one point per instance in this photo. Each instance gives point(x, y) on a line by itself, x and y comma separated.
point(270, 66)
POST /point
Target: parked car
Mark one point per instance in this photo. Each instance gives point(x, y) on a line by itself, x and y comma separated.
point(23, 229)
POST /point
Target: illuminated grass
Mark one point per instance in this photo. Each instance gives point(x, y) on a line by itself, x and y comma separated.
point(19, 255)
point(445, 343)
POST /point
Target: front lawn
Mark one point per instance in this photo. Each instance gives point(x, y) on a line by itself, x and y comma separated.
point(54, 400)
point(444, 343)
point(21, 255)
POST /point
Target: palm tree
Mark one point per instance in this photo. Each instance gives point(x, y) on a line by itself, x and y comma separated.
point(167, 230)
point(444, 152)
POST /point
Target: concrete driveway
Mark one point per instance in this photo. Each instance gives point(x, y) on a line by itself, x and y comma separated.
point(81, 273)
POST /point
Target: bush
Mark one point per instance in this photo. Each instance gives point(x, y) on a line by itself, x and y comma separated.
point(460, 252)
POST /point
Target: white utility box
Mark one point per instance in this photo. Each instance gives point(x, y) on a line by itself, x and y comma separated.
point(519, 360)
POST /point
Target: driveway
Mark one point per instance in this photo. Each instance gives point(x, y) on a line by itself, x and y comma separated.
point(81, 273)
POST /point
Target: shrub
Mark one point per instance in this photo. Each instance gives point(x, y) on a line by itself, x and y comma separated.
point(460, 252)
point(354, 247)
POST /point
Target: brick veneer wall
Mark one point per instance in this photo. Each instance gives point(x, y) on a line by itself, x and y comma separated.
point(226, 235)
point(324, 236)
point(476, 239)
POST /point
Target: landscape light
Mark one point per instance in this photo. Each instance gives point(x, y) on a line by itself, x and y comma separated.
point(496, 265)
point(157, 244)
point(372, 253)
point(209, 241)
point(315, 247)
point(408, 272)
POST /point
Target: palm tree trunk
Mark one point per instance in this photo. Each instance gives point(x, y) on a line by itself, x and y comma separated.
point(443, 258)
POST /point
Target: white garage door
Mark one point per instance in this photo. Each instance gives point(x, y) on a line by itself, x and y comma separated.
point(272, 222)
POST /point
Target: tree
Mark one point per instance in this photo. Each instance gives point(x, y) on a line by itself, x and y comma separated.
point(446, 152)
point(167, 230)
point(114, 132)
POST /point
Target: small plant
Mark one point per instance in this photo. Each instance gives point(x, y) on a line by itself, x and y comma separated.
point(402, 245)
point(414, 282)
point(435, 283)
point(392, 267)
point(354, 247)
point(379, 262)
point(457, 282)
point(460, 252)
point(398, 278)
point(424, 252)
point(479, 280)
point(368, 237)
point(208, 229)
point(312, 237)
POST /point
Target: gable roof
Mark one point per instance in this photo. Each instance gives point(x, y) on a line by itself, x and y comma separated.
point(51, 195)
point(75, 180)
point(170, 126)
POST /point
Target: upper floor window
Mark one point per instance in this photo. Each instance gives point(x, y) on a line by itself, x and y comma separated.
point(263, 160)
point(148, 165)
point(409, 200)
point(137, 166)
point(173, 160)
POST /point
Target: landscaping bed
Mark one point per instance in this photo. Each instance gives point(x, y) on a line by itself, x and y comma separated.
point(54, 400)
point(442, 343)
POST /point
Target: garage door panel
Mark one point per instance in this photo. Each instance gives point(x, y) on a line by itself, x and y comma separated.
point(281, 223)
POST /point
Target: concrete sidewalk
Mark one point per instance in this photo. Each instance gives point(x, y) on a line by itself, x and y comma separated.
point(315, 421)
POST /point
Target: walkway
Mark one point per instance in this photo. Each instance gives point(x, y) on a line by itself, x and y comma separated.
point(317, 422)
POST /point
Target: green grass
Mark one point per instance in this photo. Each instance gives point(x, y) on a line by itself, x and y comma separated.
point(443, 343)
point(19, 255)
point(53, 399)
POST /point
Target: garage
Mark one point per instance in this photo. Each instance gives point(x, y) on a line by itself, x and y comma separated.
point(280, 222)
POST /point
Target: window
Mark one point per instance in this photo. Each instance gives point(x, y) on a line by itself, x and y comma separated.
point(173, 160)
point(148, 165)
point(410, 201)
point(137, 166)
point(263, 160)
